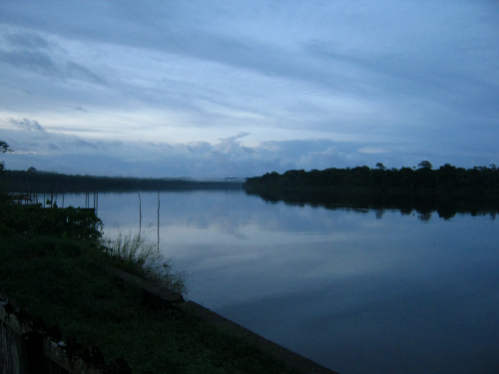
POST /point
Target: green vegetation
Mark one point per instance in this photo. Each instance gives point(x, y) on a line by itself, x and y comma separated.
point(53, 262)
point(4, 148)
point(135, 255)
point(34, 220)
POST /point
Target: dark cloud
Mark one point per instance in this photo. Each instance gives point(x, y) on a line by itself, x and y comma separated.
point(199, 147)
point(139, 26)
point(42, 63)
point(161, 145)
point(80, 72)
point(28, 40)
point(83, 143)
point(32, 52)
point(27, 124)
point(35, 61)
point(231, 144)
point(199, 42)
point(34, 139)
point(53, 147)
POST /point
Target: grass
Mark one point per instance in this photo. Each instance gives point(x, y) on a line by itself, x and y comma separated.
point(136, 255)
point(61, 276)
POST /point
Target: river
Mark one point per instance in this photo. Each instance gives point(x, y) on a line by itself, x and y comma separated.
point(356, 290)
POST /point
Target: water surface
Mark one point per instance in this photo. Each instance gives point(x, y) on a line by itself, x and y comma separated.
point(358, 291)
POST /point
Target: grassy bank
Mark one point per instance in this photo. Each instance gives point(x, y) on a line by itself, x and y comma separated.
point(58, 271)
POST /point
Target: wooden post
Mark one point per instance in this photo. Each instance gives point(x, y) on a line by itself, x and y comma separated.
point(140, 216)
point(158, 222)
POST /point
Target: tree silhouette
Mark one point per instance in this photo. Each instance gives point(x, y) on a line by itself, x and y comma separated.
point(4, 148)
point(425, 164)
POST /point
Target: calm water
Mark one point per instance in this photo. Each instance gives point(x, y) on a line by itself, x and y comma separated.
point(357, 292)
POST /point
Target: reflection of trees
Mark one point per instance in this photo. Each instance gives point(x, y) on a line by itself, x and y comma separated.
point(447, 206)
point(426, 216)
point(379, 213)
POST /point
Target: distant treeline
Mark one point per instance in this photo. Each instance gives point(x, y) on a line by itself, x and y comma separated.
point(480, 180)
point(33, 181)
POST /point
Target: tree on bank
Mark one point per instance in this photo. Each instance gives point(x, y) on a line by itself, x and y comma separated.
point(425, 165)
point(4, 148)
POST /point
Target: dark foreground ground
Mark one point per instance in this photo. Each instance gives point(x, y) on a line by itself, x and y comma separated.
point(67, 282)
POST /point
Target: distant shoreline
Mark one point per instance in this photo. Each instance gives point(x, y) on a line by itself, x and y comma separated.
point(448, 179)
point(50, 182)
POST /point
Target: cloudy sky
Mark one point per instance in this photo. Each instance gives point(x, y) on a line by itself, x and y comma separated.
point(229, 88)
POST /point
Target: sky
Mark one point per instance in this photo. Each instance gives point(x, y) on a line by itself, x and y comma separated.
point(230, 88)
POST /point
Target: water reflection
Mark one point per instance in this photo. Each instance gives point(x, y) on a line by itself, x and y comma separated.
point(359, 289)
point(446, 205)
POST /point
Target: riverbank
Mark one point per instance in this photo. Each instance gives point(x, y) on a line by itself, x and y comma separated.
point(65, 282)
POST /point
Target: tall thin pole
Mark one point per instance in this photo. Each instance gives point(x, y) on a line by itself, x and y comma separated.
point(140, 216)
point(158, 222)
point(29, 190)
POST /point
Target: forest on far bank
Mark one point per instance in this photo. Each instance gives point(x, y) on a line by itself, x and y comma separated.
point(33, 181)
point(479, 180)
